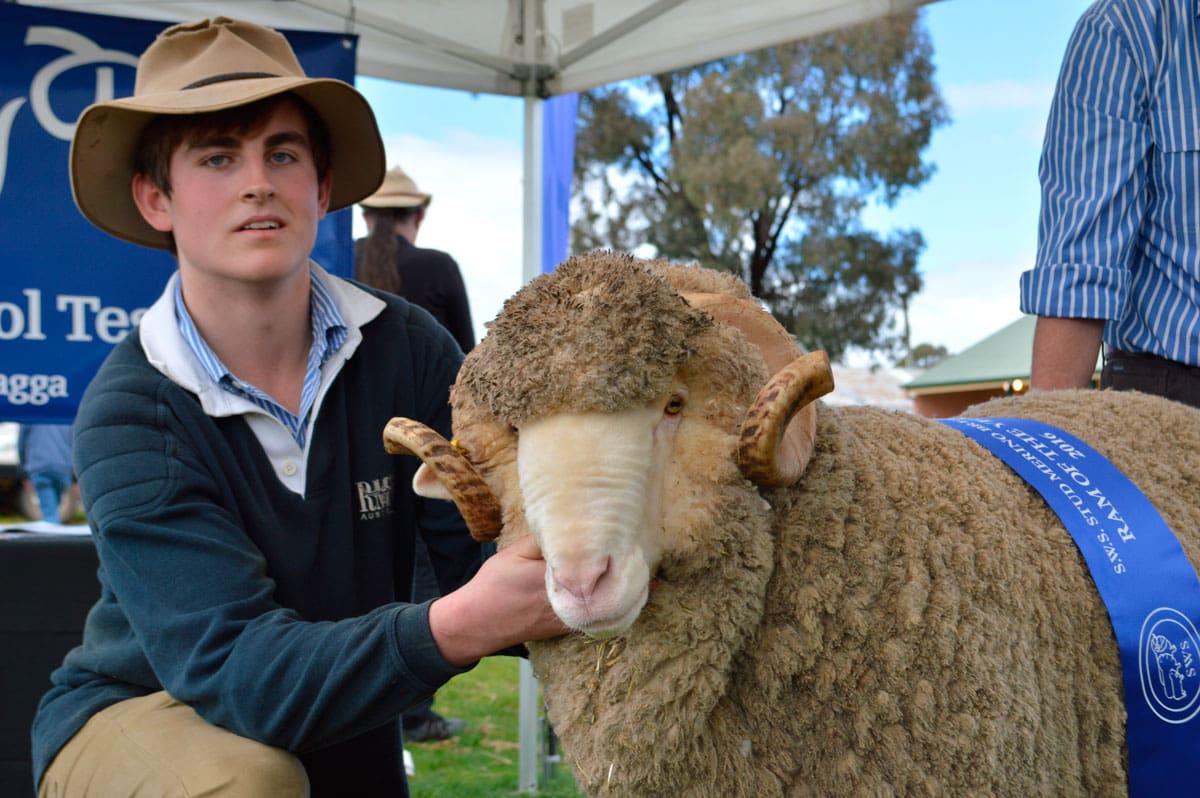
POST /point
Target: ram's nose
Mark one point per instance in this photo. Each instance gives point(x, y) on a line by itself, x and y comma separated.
point(581, 578)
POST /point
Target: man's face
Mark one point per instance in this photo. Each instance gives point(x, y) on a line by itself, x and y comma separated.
point(243, 207)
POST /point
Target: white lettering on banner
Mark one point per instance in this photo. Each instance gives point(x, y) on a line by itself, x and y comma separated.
point(22, 322)
point(1103, 503)
point(1066, 448)
point(87, 318)
point(82, 51)
point(32, 389)
point(111, 324)
point(1044, 453)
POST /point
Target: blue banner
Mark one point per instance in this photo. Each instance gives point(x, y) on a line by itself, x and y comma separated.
point(558, 166)
point(1146, 581)
point(68, 291)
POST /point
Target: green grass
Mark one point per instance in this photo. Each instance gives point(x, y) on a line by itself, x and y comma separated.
point(483, 760)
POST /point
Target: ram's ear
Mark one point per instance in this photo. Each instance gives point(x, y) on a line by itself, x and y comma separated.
point(779, 432)
point(780, 428)
point(443, 463)
point(425, 483)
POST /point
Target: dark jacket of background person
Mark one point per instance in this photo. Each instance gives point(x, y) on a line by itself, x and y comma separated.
point(431, 279)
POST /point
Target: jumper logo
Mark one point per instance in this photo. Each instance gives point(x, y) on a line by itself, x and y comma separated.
point(374, 498)
point(82, 51)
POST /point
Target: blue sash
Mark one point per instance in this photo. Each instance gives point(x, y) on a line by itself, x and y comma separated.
point(1148, 585)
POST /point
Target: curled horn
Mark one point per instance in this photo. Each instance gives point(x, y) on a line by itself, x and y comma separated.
point(466, 487)
point(780, 427)
point(765, 455)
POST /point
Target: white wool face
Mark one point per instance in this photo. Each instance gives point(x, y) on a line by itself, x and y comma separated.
point(592, 485)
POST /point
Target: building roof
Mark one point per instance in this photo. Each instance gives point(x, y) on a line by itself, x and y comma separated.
point(1002, 357)
point(880, 387)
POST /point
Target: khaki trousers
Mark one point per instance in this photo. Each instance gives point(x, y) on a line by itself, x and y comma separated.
point(156, 746)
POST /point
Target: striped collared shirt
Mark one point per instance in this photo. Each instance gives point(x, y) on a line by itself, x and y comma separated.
point(328, 335)
point(1119, 232)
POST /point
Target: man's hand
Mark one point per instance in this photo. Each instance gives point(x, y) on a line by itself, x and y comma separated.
point(503, 605)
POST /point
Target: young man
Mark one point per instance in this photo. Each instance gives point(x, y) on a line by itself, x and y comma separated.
point(255, 539)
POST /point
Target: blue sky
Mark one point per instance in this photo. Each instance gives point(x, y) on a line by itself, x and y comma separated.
point(996, 65)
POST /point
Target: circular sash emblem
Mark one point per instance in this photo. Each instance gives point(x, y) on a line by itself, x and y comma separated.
point(1168, 666)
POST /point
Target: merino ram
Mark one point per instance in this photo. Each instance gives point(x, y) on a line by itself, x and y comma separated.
point(871, 604)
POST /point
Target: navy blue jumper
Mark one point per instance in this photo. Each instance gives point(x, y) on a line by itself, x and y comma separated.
point(275, 615)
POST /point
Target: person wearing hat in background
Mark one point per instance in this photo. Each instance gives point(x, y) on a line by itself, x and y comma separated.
point(255, 538)
point(388, 259)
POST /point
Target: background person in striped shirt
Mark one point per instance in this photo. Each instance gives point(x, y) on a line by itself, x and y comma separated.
point(1118, 258)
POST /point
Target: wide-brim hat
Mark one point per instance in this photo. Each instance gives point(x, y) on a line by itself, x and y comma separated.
point(213, 65)
point(398, 190)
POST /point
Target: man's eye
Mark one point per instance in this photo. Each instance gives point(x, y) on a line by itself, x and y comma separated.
point(282, 157)
point(216, 160)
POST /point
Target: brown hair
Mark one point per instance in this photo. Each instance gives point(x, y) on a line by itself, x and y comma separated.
point(166, 132)
point(375, 260)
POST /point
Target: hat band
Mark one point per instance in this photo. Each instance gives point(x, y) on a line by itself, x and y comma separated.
point(227, 76)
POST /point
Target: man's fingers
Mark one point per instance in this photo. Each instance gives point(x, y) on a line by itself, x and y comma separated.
point(526, 547)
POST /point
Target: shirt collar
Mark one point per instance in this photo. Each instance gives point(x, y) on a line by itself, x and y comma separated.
point(163, 342)
point(328, 331)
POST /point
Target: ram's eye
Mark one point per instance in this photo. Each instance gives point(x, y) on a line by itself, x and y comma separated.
point(674, 406)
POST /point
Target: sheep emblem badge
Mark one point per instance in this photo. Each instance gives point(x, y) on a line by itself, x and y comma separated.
point(847, 601)
point(1169, 675)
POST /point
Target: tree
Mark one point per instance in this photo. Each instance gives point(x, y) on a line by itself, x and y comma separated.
point(762, 164)
point(924, 356)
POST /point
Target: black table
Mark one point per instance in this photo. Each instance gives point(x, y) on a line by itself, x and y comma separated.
point(47, 585)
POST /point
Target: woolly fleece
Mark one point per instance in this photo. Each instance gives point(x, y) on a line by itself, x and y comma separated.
point(569, 331)
point(910, 619)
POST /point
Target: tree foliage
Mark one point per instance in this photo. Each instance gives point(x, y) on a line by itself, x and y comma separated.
point(762, 164)
point(925, 356)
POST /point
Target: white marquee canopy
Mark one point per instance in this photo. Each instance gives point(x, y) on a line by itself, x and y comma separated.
point(532, 48)
point(526, 48)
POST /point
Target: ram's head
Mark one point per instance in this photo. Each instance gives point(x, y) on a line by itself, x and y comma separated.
point(615, 408)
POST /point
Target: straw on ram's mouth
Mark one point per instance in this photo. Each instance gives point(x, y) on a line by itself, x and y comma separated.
point(474, 499)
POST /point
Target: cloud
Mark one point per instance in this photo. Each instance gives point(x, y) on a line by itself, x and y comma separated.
point(477, 189)
point(998, 95)
point(961, 306)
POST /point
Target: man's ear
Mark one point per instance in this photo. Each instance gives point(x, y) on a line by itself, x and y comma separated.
point(324, 191)
point(152, 202)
